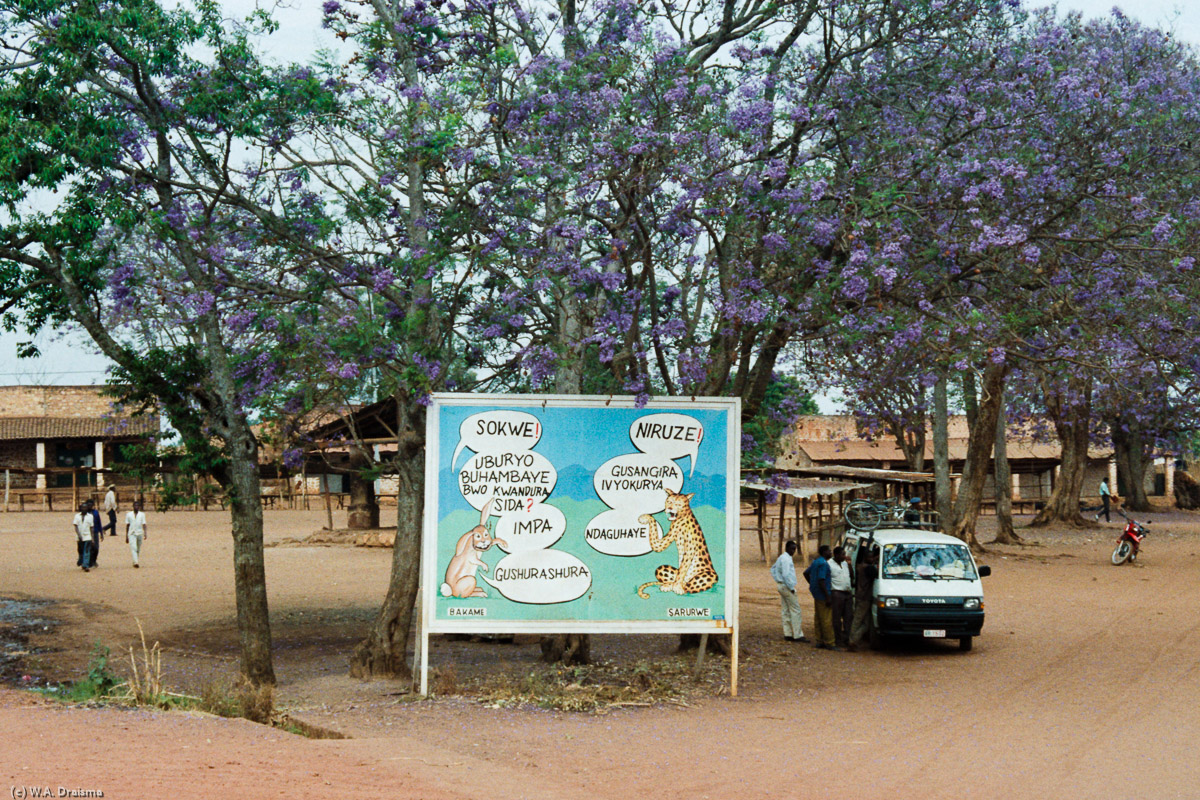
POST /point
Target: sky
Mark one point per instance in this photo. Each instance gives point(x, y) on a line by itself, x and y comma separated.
point(69, 358)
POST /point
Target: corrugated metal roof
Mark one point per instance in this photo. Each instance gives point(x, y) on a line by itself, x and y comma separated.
point(43, 428)
point(842, 451)
point(799, 487)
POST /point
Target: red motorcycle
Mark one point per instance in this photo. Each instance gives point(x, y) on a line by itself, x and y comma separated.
point(1127, 545)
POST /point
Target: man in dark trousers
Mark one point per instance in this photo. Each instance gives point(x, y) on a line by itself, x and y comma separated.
point(1105, 498)
point(110, 508)
point(97, 531)
point(843, 601)
point(82, 524)
point(821, 588)
point(865, 574)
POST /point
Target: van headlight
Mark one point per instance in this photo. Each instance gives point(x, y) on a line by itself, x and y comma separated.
point(973, 603)
point(889, 602)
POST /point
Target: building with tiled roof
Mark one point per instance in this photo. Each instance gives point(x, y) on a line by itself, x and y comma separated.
point(821, 441)
point(46, 432)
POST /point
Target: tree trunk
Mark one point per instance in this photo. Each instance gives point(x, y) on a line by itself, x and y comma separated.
point(941, 456)
point(384, 653)
point(567, 648)
point(249, 573)
point(910, 439)
point(979, 452)
point(1130, 453)
point(364, 506)
point(1003, 483)
point(1071, 412)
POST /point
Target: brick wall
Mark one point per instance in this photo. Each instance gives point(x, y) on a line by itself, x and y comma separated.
point(835, 427)
point(53, 401)
point(22, 455)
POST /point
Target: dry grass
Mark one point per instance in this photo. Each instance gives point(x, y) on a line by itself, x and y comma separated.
point(445, 681)
point(146, 685)
point(241, 699)
point(595, 688)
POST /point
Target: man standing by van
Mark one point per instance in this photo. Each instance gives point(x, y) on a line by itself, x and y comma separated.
point(821, 588)
point(864, 589)
point(784, 573)
point(839, 578)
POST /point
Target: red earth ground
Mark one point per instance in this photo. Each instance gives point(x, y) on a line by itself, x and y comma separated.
point(1085, 684)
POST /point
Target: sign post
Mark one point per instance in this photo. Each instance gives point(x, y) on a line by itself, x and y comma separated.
point(568, 514)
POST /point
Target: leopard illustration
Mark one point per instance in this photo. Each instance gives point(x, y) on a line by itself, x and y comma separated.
point(695, 572)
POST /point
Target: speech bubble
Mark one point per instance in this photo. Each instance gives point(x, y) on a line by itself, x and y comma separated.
point(540, 576)
point(668, 436)
point(515, 480)
point(536, 528)
point(493, 431)
point(636, 481)
point(617, 532)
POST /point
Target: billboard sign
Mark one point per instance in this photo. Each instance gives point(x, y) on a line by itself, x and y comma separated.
point(580, 514)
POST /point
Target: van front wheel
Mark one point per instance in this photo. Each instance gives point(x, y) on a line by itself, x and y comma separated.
point(965, 643)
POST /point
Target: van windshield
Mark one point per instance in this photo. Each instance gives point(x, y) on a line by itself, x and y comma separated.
point(928, 561)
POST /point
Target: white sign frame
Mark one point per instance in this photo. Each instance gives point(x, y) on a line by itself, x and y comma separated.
point(430, 582)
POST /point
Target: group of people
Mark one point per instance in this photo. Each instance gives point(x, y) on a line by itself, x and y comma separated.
point(841, 610)
point(89, 530)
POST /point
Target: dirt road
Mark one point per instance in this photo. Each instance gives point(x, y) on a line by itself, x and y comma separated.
point(1084, 685)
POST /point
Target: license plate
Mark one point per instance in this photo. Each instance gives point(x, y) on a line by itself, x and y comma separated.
point(935, 634)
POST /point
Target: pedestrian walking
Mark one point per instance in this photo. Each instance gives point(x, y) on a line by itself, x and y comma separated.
point(97, 531)
point(822, 591)
point(82, 525)
point(135, 531)
point(843, 601)
point(110, 508)
point(1105, 499)
point(784, 573)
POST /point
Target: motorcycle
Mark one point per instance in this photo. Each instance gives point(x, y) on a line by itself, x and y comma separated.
point(1129, 541)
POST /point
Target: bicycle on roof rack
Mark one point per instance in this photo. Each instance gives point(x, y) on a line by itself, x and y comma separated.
point(867, 515)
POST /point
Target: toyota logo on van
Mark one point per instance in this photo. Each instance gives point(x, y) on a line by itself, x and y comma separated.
point(933, 600)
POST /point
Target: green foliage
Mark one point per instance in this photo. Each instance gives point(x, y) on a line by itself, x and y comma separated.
point(97, 686)
point(762, 435)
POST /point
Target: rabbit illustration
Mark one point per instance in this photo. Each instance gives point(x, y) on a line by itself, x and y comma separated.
point(460, 573)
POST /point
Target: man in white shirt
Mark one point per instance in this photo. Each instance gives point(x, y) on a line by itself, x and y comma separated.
point(135, 530)
point(843, 602)
point(83, 536)
point(784, 573)
point(110, 506)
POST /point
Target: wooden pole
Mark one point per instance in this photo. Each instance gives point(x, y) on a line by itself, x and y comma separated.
point(782, 513)
point(328, 506)
point(304, 485)
point(733, 662)
point(820, 520)
point(804, 530)
point(796, 519)
point(6, 487)
point(74, 488)
point(762, 511)
point(700, 656)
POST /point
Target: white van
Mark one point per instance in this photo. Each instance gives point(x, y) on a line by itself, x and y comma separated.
point(928, 585)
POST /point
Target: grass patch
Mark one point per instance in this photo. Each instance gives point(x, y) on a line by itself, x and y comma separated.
point(97, 686)
point(145, 688)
